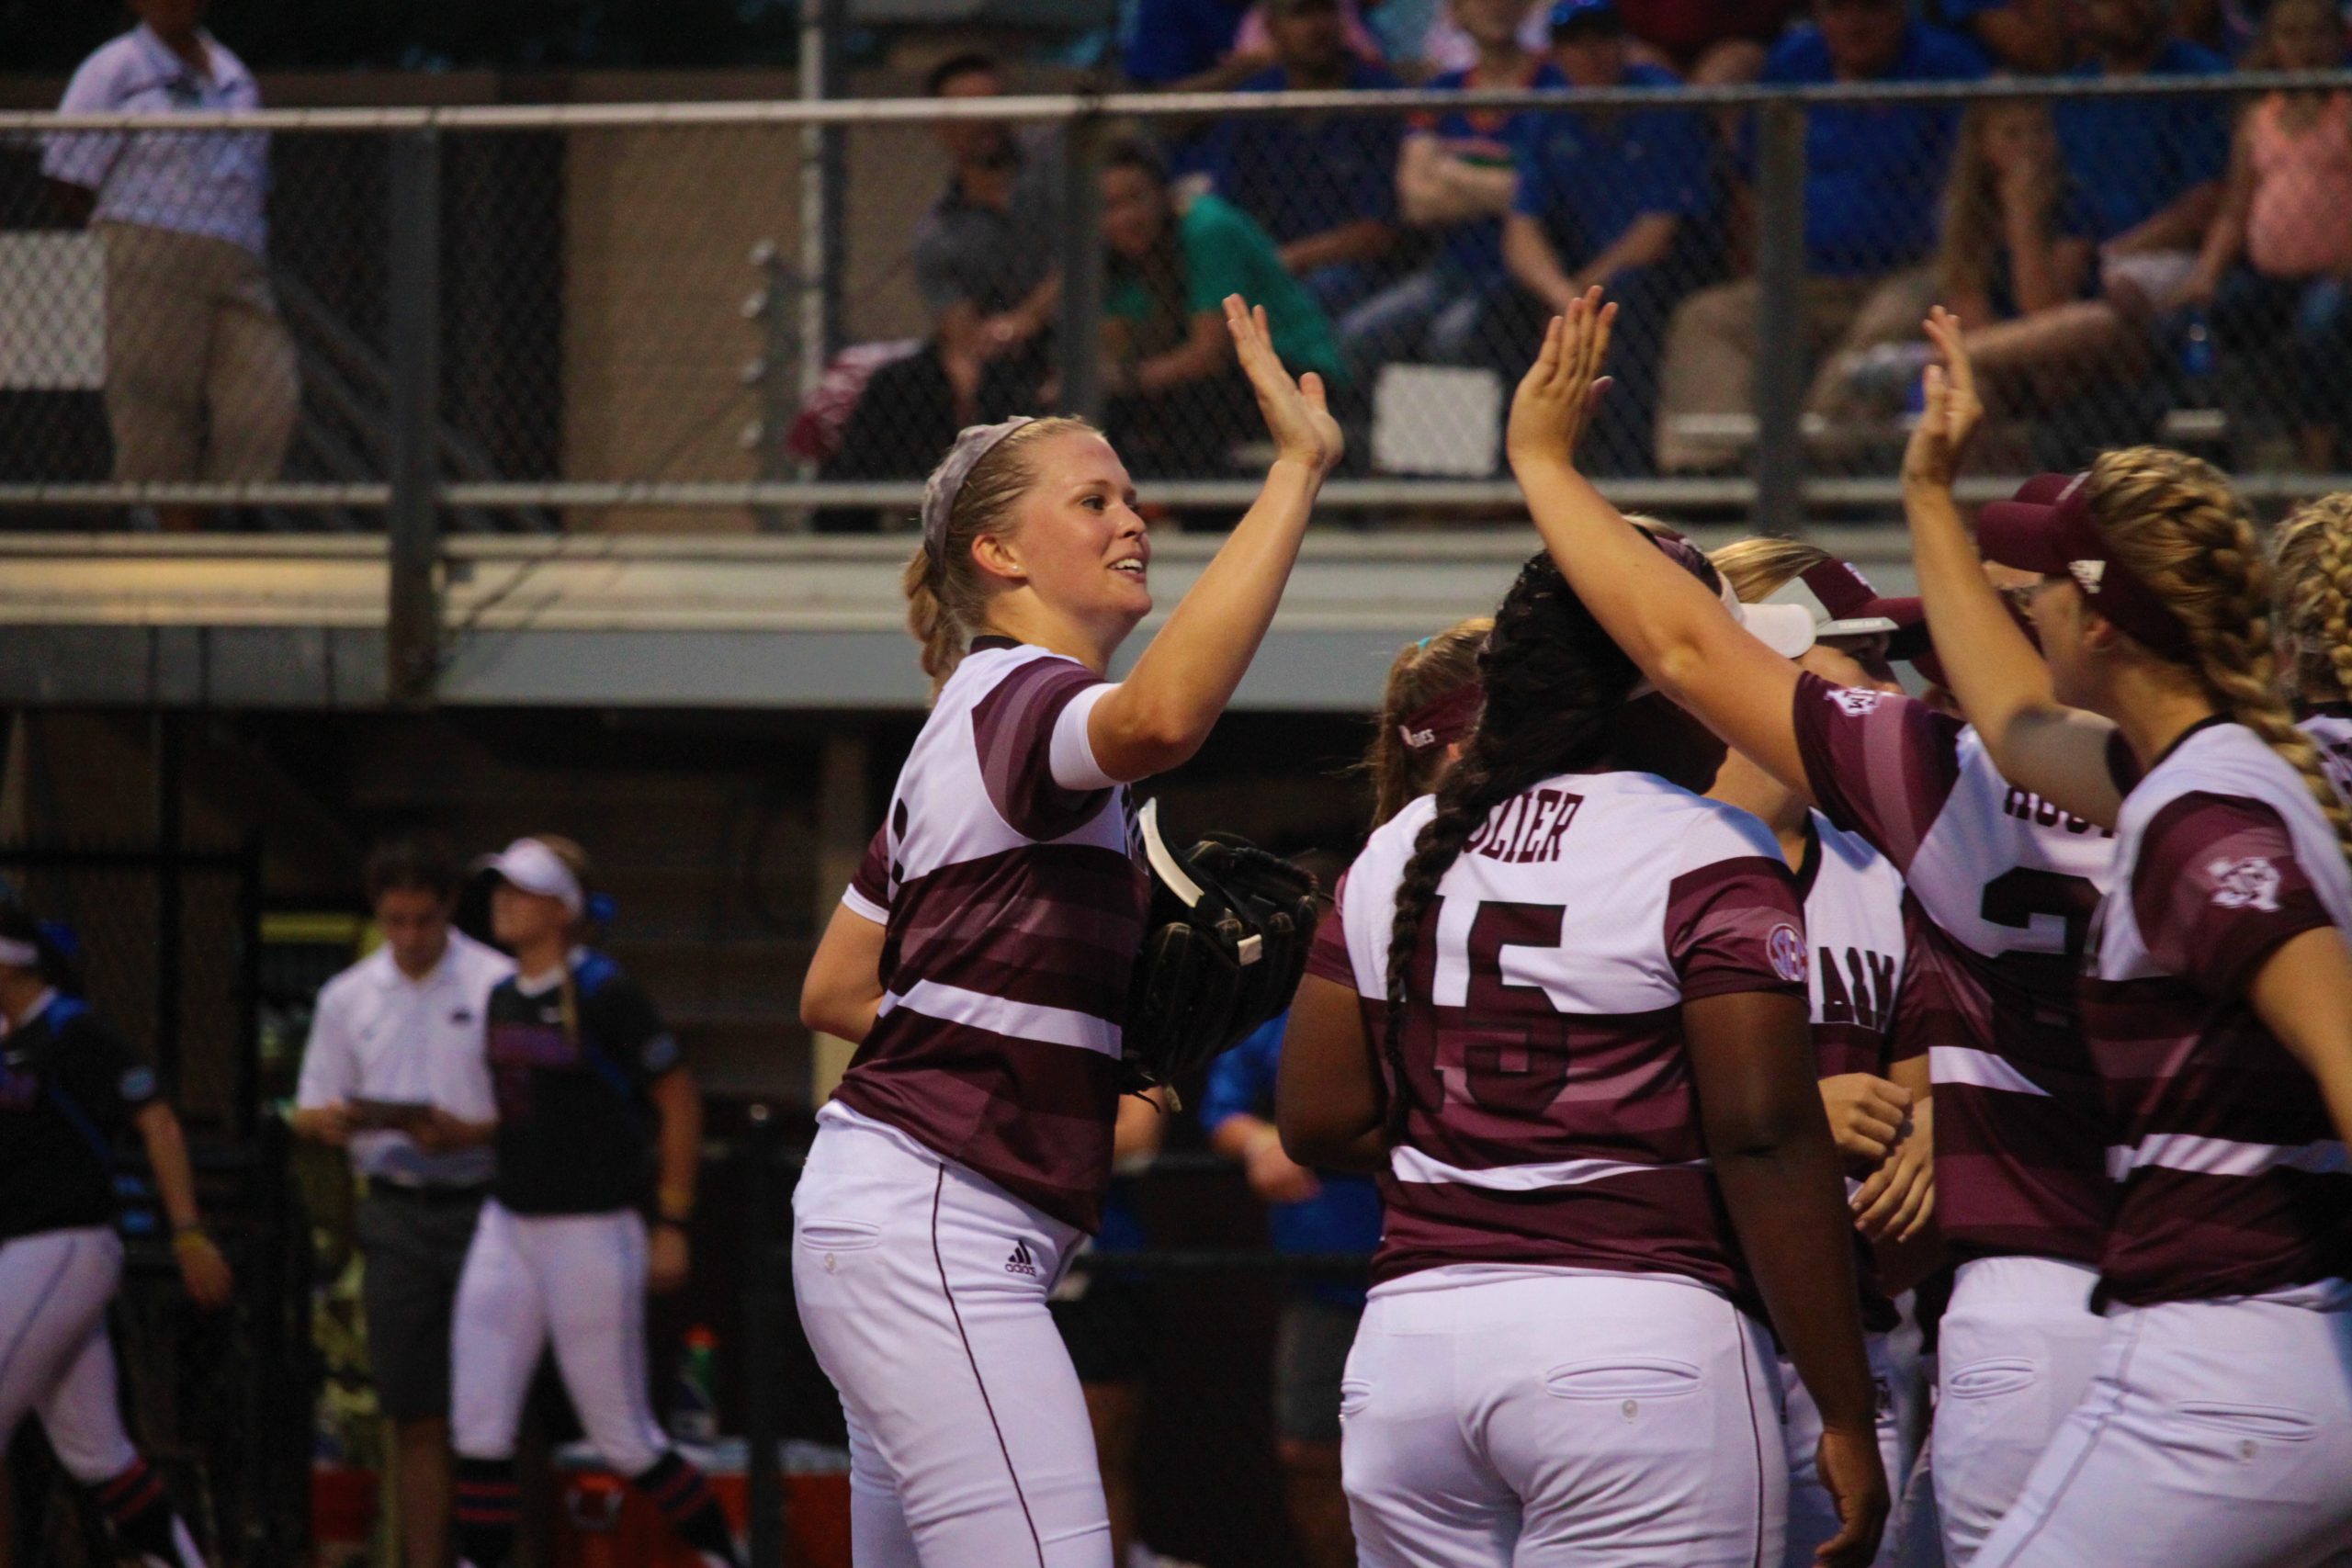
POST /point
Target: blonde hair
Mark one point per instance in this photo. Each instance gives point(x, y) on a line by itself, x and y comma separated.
point(1973, 225)
point(2311, 563)
point(1757, 569)
point(946, 599)
point(2175, 523)
point(1420, 674)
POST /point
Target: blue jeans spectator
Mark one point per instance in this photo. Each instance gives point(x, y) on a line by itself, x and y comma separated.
point(1430, 317)
point(1511, 329)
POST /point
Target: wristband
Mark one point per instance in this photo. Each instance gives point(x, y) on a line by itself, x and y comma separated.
point(675, 1205)
point(189, 1239)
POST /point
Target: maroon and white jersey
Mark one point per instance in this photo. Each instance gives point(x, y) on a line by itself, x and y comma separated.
point(1864, 1010)
point(2009, 884)
point(2330, 725)
point(1553, 1118)
point(1013, 907)
point(2235, 1181)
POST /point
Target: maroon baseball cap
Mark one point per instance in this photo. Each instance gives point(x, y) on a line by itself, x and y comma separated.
point(2046, 527)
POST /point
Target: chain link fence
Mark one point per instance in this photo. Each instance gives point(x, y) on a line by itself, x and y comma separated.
point(770, 315)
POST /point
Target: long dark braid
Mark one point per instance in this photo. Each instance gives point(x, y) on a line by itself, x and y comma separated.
point(1556, 684)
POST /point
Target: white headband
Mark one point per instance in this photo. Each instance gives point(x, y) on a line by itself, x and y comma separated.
point(532, 866)
point(18, 954)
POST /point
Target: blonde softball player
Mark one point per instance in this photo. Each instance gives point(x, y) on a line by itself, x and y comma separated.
point(69, 1088)
point(2218, 1429)
point(981, 958)
point(593, 1103)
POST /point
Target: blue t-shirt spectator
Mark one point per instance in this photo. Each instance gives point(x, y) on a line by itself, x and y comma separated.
point(2134, 157)
point(1473, 251)
point(1300, 177)
point(1175, 38)
point(1586, 177)
point(1874, 173)
point(1345, 1215)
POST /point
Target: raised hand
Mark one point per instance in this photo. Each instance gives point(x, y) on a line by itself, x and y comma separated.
point(1952, 410)
point(1553, 407)
point(1297, 413)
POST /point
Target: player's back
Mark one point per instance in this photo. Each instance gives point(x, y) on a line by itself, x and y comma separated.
point(2010, 884)
point(1551, 1119)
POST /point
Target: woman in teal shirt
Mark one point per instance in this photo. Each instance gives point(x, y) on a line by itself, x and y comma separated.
point(1176, 402)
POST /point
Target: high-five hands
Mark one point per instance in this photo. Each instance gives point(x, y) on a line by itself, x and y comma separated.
point(1951, 412)
point(1297, 413)
point(1553, 407)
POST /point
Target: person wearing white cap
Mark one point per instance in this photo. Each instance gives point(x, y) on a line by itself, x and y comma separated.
point(1872, 1016)
point(2008, 881)
point(595, 1101)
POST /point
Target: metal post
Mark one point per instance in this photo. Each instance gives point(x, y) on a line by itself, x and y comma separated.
point(1780, 374)
point(170, 784)
point(412, 524)
point(1079, 345)
point(765, 1305)
point(823, 24)
point(249, 891)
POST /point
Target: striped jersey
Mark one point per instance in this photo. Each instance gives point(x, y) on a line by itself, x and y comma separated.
point(1865, 1011)
point(2330, 725)
point(1013, 910)
point(1552, 1117)
point(2009, 883)
point(2235, 1181)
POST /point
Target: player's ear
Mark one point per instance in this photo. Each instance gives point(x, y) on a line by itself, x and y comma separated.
point(998, 556)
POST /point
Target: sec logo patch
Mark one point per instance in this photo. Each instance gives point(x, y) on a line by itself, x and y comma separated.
point(1785, 946)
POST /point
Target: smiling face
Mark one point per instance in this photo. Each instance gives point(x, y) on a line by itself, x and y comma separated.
point(1076, 542)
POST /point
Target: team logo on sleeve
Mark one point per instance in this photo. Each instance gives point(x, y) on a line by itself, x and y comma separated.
point(2248, 883)
point(1785, 946)
point(1855, 700)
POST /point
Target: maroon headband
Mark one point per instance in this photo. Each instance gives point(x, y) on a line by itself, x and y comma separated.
point(2048, 528)
point(1445, 720)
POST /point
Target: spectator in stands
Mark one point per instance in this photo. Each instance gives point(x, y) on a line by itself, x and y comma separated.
point(2018, 265)
point(1873, 172)
point(1454, 179)
point(1605, 196)
point(2274, 265)
point(2152, 167)
point(1176, 399)
point(984, 260)
point(1306, 1212)
point(1176, 43)
point(201, 384)
point(2026, 36)
point(1708, 43)
point(1323, 186)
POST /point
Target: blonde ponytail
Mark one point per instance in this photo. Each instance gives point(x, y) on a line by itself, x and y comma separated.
point(2312, 581)
point(2176, 523)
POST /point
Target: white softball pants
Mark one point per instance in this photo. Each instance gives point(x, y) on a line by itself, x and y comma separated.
point(578, 1280)
point(922, 1287)
point(54, 1356)
point(2016, 1353)
point(2215, 1435)
point(1812, 1513)
point(1540, 1421)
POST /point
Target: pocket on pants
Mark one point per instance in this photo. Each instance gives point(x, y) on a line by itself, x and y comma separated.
point(839, 1235)
point(1356, 1394)
point(1623, 1378)
point(1994, 1378)
point(2263, 1423)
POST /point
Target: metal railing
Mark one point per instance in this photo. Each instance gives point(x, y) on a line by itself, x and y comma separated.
point(539, 316)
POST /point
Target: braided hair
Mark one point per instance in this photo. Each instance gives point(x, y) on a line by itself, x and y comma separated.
point(2310, 567)
point(2176, 523)
point(1556, 692)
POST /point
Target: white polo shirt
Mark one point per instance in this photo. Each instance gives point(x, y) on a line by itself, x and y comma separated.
point(213, 183)
point(380, 1036)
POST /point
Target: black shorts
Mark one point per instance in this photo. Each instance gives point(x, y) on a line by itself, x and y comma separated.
point(1310, 1355)
point(1108, 1328)
point(415, 1246)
